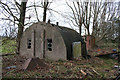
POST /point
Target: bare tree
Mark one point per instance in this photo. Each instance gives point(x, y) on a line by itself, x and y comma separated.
point(81, 14)
point(15, 14)
point(44, 4)
point(45, 7)
point(77, 16)
point(87, 16)
point(103, 24)
point(96, 15)
point(21, 24)
point(96, 11)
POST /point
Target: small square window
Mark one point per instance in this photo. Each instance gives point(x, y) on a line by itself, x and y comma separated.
point(29, 43)
point(49, 44)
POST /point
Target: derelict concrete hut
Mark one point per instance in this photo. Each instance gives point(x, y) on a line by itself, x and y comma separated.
point(50, 41)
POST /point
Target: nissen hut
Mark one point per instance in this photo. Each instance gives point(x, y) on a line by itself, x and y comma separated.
point(49, 41)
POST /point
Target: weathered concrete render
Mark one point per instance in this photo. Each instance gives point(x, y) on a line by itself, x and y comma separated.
point(39, 33)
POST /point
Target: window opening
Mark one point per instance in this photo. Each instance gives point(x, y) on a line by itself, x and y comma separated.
point(49, 44)
point(29, 43)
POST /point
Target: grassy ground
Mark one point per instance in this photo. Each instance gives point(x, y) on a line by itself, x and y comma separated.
point(62, 69)
point(107, 45)
point(7, 46)
point(94, 67)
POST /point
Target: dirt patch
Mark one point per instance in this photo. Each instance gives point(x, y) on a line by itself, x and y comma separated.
point(34, 63)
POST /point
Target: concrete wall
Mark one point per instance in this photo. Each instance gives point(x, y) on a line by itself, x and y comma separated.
point(24, 51)
point(36, 34)
point(39, 41)
point(58, 46)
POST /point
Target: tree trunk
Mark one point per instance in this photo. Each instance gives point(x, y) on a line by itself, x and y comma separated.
point(88, 30)
point(45, 10)
point(80, 29)
point(93, 31)
point(44, 15)
point(21, 25)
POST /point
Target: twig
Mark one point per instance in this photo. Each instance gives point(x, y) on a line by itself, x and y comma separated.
point(90, 73)
point(6, 54)
point(83, 72)
point(95, 72)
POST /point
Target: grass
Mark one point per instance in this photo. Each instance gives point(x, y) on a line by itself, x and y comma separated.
point(65, 69)
point(58, 69)
point(108, 44)
point(7, 46)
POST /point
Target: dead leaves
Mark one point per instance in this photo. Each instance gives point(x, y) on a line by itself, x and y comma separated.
point(80, 68)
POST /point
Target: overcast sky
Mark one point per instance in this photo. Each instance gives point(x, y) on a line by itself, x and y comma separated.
point(57, 5)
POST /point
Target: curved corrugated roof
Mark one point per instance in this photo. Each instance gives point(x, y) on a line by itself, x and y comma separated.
point(69, 36)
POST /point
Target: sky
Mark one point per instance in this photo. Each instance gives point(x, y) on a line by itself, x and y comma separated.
point(57, 5)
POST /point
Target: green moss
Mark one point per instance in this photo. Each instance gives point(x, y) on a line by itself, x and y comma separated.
point(8, 46)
